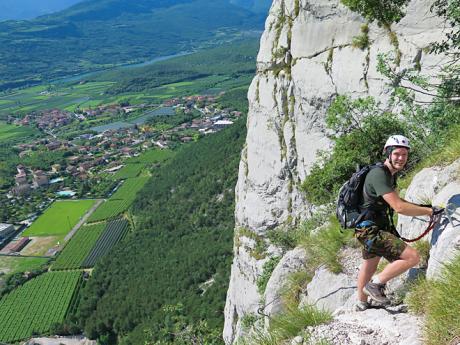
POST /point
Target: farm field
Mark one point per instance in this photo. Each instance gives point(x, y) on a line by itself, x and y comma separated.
point(60, 96)
point(8, 132)
point(59, 218)
point(120, 200)
point(129, 189)
point(129, 171)
point(72, 96)
point(35, 306)
point(94, 93)
point(151, 156)
point(11, 265)
point(114, 232)
point(109, 209)
point(80, 245)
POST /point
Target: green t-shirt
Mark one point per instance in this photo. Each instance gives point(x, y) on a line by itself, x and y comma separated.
point(378, 182)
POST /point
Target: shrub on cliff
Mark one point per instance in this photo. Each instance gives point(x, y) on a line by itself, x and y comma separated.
point(362, 131)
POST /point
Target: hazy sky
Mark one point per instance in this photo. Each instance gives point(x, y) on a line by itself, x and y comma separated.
point(27, 9)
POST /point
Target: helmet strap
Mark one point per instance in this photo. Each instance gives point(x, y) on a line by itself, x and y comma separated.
point(389, 152)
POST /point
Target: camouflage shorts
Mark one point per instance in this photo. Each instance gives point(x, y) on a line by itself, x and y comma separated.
point(379, 243)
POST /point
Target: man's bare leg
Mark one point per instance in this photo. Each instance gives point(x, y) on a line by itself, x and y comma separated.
point(408, 259)
point(367, 270)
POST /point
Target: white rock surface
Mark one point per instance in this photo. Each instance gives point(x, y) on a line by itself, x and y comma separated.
point(370, 327)
point(306, 59)
point(292, 261)
point(61, 341)
point(330, 291)
point(424, 188)
point(445, 240)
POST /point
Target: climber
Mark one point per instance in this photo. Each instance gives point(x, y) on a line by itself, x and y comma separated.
point(376, 232)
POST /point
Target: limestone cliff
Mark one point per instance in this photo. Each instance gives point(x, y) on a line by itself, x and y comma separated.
point(306, 58)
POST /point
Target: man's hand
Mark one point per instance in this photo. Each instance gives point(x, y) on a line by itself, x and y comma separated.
point(437, 210)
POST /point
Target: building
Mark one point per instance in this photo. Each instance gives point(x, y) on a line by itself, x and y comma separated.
point(6, 232)
point(39, 179)
point(20, 179)
point(222, 124)
point(21, 169)
point(19, 245)
point(53, 145)
point(6, 229)
point(22, 189)
point(55, 168)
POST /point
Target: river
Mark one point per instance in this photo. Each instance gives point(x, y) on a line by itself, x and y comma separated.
point(128, 66)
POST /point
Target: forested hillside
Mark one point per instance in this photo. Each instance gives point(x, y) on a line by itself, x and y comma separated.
point(236, 61)
point(99, 34)
point(173, 270)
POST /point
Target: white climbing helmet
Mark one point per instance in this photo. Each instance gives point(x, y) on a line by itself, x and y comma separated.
point(398, 141)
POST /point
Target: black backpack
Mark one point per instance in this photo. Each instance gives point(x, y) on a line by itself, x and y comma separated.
point(350, 198)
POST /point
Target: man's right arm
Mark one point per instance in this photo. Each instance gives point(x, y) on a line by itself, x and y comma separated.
point(406, 208)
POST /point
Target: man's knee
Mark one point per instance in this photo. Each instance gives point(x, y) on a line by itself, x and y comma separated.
point(411, 256)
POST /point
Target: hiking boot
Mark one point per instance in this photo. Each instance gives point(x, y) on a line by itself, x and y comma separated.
point(361, 306)
point(376, 292)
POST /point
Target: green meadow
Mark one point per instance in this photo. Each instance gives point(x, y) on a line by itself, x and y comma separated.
point(59, 218)
point(11, 265)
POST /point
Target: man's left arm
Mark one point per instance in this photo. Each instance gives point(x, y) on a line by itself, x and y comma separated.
point(405, 208)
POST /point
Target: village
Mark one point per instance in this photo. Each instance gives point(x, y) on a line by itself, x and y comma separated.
point(85, 162)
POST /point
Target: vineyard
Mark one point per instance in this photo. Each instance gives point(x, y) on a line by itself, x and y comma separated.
point(151, 156)
point(120, 201)
point(129, 189)
point(76, 250)
point(129, 171)
point(109, 209)
point(35, 306)
point(113, 233)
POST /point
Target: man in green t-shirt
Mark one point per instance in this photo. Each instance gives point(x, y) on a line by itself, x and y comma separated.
point(375, 232)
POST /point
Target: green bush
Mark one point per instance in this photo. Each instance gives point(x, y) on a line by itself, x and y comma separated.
point(363, 130)
point(268, 268)
point(362, 41)
point(384, 12)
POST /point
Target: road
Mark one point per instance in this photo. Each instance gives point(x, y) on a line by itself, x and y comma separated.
point(83, 220)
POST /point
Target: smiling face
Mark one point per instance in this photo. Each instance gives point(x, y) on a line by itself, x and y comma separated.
point(399, 158)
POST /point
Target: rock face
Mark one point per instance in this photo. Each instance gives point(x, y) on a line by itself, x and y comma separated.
point(373, 326)
point(439, 186)
point(306, 58)
point(61, 341)
point(292, 261)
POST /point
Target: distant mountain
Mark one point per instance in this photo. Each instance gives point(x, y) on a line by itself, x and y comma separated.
point(28, 9)
point(97, 34)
